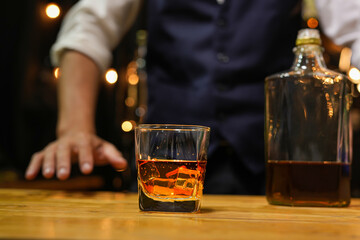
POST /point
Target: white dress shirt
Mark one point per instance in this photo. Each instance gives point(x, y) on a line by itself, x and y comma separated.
point(340, 21)
point(94, 28)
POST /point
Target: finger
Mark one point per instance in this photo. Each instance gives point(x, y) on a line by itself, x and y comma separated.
point(63, 161)
point(114, 156)
point(99, 157)
point(48, 166)
point(86, 159)
point(34, 166)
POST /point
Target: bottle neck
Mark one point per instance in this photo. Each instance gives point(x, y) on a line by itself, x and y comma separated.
point(308, 57)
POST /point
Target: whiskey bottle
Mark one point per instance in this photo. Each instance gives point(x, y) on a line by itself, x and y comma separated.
point(307, 130)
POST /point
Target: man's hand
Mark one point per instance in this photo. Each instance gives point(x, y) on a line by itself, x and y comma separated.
point(77, 140)
point(86, 148)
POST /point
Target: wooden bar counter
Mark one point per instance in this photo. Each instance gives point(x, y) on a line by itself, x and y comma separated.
point(42, 214)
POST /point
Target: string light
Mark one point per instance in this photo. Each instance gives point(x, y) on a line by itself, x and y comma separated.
point(111, 76)
point(52, 10)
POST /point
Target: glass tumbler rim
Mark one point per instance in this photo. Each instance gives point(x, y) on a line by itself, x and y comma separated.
point(172, 127)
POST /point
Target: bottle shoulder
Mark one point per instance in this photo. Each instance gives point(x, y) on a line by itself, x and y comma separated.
point(319, 73)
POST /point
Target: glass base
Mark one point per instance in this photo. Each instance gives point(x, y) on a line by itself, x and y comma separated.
point(149, 204)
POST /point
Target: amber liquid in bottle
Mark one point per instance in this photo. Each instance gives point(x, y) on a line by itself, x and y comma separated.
point(301, 183)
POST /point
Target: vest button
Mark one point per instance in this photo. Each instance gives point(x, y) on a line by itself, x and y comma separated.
point(222, 57)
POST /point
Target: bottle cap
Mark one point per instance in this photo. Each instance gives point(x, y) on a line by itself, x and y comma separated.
point(308, 36)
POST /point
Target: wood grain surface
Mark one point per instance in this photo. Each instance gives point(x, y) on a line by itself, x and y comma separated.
point(42, 214)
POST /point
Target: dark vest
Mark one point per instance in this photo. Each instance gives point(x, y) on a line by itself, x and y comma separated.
point(207, 62)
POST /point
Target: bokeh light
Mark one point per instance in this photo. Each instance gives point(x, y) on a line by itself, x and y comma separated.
point(111, 76)
point(52, 10)
point(140, 111)
point(127, 126)
point(354, 75)
point(129, 101)
point(56, 73)
point(133, 79)
point(312, 23)
point(345, 59)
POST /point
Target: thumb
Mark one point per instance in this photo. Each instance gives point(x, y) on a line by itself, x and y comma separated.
point(114, 156)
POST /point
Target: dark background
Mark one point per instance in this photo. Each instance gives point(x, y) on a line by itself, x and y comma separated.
point(28, 100)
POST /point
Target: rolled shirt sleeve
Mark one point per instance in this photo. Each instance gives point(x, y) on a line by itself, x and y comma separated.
point(94, 28)
point(340, 20)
